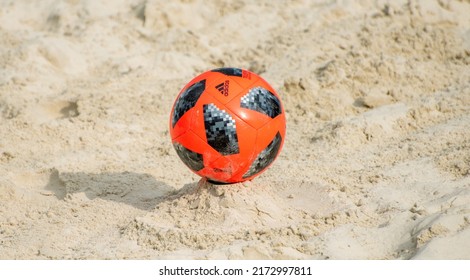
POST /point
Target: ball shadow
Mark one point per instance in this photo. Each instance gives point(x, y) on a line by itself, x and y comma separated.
point(139, 190)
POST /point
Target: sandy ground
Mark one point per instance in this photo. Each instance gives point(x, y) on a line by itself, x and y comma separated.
point(377, 153)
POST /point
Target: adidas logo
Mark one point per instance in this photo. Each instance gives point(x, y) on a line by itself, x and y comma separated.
point(223, 87)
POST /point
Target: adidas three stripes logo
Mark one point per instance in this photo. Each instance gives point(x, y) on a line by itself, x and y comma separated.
point(223, 87)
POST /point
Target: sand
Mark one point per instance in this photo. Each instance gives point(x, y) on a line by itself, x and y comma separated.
point(376, 161)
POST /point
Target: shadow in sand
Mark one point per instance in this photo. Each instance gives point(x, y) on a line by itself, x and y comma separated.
point(140, 190)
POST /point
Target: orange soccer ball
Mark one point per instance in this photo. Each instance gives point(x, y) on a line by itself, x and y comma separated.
point(227, 125)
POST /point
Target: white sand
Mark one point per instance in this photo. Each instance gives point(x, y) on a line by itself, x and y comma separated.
point(376, 162)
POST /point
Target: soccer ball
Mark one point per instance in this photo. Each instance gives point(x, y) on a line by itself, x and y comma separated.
point(227, 125)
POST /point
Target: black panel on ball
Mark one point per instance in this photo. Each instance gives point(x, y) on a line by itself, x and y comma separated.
point(221, 131)
point(192, 159)
point(229, 71)
point(261, 100)
point(187, 100)
point(266, 157)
